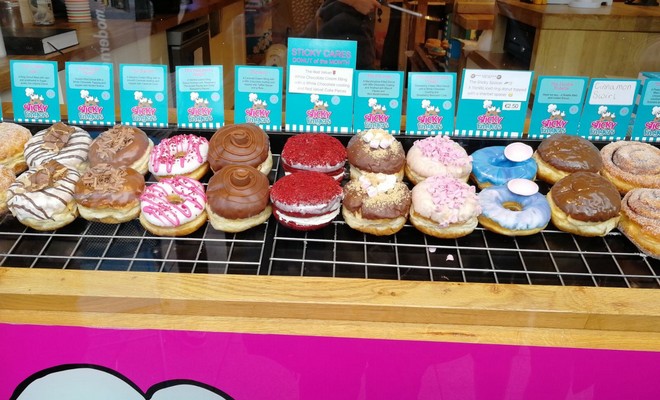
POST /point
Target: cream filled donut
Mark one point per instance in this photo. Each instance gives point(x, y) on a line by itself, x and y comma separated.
point(173, 207)
point(180, 155)
point(7, 178)
point(42, 198)
point(122, 146)
point(437, 155)
point(444, 207)
point(68, 145)
point(12, 142)
point(630, 165)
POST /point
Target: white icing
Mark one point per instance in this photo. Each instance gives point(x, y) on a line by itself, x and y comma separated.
point(42, 204)
point(308, 221)
point(72, 154)
point(162, 159)
point(158, 210)
point(523, 187)
point(518, 152)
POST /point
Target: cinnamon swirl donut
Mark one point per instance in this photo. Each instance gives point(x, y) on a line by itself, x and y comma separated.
point(238, 198)
point(122, 145)
point(640, 219)
point(630, 165)
point(240, 144)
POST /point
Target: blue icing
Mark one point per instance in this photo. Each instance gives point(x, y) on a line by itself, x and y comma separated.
point(535, 212)
point(489, 166)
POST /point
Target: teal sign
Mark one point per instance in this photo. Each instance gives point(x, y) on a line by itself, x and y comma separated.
point(90, 94)
point(647, 120)
point(35, 91)
point(608, 109)
point(143, 95)
point(557, 105)
point(319, 93)
point(200, 101)
point(431, 103)
point(258, 97)
point(378, 102)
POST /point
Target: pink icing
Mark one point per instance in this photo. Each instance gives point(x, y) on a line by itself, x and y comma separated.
point(164, 153)
point(448, 192)
point(155, 201)
point(444, 150)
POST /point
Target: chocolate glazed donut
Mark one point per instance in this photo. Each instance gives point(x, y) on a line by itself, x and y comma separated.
point(121, 146)
point(241, 144)
point(237, 192)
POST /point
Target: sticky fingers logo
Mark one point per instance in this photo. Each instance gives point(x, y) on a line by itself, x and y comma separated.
point(86, 382)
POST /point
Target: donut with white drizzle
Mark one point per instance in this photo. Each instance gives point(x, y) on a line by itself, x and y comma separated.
point(69, 145)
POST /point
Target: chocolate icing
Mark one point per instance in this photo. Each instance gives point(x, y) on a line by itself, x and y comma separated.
point(107, 186)
point(586, 196)
point(387, 161)
point(391, 204)
point(238, 191)
point(45, 176)
point(57, 136)
point(241, 144)
point(119, 146)
point(570, 153)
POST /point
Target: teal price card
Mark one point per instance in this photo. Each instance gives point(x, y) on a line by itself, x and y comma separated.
point(431, 103)
point(647, 120)
point(90, 94)
point(608, 108)
point(319, 93)
point(200, 99)
point(557, 105)
point(258, 97)
point(493, 103)
point(35, 88)
point(378, 102)
point(143, 95)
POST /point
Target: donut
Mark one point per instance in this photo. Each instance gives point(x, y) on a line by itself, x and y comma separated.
point(42, 197)
point(122, 146)
point(491, 167)
point(375, 151)
point(444, 207)
point(109, 194)
point(180, 155)
point(316, 152)
point(69, 145)
point(584, 203)
point(511, 214)
point(7, 178)
point(240, 144)
point(560, 155)
point(173, 207)
point(437, 155)
point(376, 203)
point(630, 165)
point(12, 141)
point(640, 219)
point(306, 200)
point(238, 198)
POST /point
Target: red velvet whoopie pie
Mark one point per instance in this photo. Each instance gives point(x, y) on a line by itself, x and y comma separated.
point(316, 152)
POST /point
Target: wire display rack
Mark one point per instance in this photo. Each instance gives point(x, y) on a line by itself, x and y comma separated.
point(551, 257)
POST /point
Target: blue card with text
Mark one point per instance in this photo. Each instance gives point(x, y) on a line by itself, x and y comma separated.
point(557, 105)
point(608, 109)
point(200, 99)
point(319, 92)
point(35, 91)
point(143, 95)
point(90, 93)
point(647, 120)
point(378, 101)
point(258, 97)
point(431, 103)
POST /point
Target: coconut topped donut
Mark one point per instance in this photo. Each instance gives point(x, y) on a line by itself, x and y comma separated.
point(68, 145)
point(240, 144)
point(375, 151)
point(315, 152)
point(12, 141)
point(437, 155)
point(122, 145)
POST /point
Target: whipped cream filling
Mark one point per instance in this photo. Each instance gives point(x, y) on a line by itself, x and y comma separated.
point(308, 221)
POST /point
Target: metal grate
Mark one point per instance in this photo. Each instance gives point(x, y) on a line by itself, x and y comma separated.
point(551, 257)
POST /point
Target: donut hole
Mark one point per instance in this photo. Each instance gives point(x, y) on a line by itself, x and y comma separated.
point(512, 206)
point(174, 199)
point(180, 155)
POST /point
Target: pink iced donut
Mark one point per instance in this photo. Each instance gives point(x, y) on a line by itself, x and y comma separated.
point(173, 207)
point(437, 155)
point(180, 155)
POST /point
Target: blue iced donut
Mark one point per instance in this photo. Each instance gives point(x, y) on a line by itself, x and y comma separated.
point(507, 213)
point(491, 167)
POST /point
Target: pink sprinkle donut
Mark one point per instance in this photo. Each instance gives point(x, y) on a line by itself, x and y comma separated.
point(173, 207)
point(184, 155)
point(437, 155)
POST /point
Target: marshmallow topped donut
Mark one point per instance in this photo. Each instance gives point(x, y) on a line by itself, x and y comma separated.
point(69, 145)
point(315, 152)
point(12, 142)
point(173, 207)
point(238, 198)
point(375, 151)
point(109, 194)
point(122, 146)
point(640, 219)
point(180, 155)
point(437, 155)
point(42, 198)
point(630, 165)
point(240, 144)
point(7, 178)
point(560, 155)
point(444, 207)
